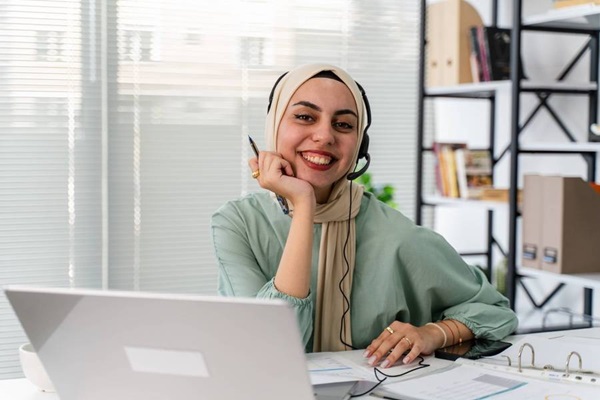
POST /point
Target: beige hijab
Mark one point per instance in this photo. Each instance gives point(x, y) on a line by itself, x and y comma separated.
point(331, 302)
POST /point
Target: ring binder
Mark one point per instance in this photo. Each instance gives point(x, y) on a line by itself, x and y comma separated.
point(521, 352)
point(552, 373)
point(569, 359)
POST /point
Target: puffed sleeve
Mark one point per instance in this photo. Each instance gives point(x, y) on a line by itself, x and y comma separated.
point(455, 289)
point(247, 267)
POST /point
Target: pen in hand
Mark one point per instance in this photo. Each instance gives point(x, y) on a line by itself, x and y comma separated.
point(282, 201)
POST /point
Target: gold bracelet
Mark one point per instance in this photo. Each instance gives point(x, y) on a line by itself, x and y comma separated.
point(457, 330)
point(443, 332)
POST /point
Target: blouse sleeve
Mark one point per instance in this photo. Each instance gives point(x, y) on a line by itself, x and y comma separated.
point(246, 273)
point(456, 290)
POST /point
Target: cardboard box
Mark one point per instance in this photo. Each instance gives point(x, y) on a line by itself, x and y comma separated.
point(532, 221)
point(448, 48)
point(569, 221)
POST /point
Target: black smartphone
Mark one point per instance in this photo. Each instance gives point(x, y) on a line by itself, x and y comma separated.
point(473, 349)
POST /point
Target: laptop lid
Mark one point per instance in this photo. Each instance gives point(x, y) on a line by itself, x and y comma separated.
point(99, 345)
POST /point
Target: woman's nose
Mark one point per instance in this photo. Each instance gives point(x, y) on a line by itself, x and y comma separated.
point(323, 133)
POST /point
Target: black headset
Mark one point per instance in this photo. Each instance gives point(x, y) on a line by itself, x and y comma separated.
point(363, 151)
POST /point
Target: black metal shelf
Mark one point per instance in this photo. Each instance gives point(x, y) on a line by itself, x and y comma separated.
point(583, 20)
point(487, 90)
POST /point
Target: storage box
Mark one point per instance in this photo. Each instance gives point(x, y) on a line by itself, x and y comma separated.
point(448, 49)
point(561, 224)
point(532, 221)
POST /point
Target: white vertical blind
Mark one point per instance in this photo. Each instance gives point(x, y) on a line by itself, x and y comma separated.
point(187, 81)
point(50, 178)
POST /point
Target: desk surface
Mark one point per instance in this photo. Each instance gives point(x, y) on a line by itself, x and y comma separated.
point(22, 389)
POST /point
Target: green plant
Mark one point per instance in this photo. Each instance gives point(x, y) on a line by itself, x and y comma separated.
point(384, 193)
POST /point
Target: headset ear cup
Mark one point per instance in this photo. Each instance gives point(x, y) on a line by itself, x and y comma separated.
point(364, 146)
point(363, 151)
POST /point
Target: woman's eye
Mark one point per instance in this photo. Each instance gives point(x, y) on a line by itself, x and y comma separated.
point(303, 117)
point(343, 125)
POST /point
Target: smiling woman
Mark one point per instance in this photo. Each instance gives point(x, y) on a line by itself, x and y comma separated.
point(358, 273)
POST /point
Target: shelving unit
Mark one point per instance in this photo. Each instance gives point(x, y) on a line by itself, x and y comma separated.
point(434, 200)
point(583, 20)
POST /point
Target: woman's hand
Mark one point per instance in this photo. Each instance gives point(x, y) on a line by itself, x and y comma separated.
point(277, 175)
point(399, 338)
point(293, 275)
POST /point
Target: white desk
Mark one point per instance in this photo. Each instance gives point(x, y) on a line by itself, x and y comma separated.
point(21, 389)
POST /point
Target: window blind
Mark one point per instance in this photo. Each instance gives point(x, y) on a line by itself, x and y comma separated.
point(173, 88)
point(50, 220)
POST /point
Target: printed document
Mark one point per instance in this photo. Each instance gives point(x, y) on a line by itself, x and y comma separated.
point(466, 382)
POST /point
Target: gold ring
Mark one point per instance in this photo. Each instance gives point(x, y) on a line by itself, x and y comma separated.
point(390, 330)
point(256, 174)
point(408, 340)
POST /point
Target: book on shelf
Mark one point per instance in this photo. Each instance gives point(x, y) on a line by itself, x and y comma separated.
point(446, 168)
point(478, 172)
point(475, 56)
point(461, 173)
point(464, 173)
point(490, 53)
point(484, 57)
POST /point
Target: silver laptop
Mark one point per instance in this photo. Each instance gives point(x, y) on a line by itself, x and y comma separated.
point(98, 345)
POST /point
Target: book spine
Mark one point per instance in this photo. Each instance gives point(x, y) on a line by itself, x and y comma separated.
point(461, 173)
point(498, 46)
point(451, 171)
point(475, 57)
point(439, 180)
point(483, 59)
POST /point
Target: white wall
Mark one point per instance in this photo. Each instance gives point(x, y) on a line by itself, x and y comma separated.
point(467, 121)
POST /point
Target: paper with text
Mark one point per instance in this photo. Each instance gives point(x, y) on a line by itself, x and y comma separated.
point(465, 382)
point(331, 367)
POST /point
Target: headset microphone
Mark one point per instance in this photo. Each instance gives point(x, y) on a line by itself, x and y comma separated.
point(353, 175)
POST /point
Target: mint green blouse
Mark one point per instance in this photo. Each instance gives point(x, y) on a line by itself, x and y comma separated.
point(403, 271)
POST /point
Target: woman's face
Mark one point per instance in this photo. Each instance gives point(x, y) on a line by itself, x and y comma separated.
point(318, 133)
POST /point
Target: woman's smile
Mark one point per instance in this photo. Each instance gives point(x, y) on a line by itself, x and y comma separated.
point(318, 160)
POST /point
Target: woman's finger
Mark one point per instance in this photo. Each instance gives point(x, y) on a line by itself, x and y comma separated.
point(371, 348)
point(386, 342)
point(406, 350)
point(253, 164)
point(287, 168)
point(414, 353)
